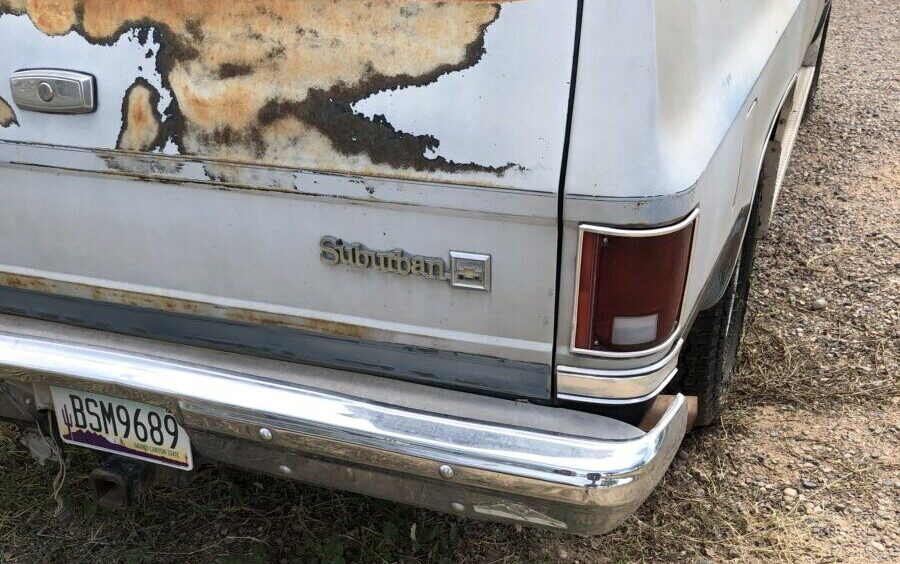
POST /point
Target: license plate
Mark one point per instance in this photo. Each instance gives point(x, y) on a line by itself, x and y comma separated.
point(129, 428)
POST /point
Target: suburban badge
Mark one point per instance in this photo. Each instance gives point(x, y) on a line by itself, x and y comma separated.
point(467, 270)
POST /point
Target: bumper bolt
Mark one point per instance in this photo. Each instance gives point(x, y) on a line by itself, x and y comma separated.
point(285, 469)
point(446, 471)
point(265, 434)
point(458, 507)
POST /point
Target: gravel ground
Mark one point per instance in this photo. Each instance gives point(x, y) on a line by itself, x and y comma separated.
point(804, 468)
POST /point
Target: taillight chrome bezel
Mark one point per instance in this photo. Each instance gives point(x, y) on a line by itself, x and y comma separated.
point(622, 232)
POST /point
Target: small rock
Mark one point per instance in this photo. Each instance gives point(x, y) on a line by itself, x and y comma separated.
point(877, 546)
point(819, 303)
point(790, 492)
point(561, 552)
point(810, 484)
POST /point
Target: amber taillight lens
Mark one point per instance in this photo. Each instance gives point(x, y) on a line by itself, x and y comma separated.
point(630, 286)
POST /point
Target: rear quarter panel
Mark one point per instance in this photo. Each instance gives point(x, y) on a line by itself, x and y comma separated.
point(672, 112)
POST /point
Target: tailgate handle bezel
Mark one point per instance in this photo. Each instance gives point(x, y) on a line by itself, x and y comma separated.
point(53, 91)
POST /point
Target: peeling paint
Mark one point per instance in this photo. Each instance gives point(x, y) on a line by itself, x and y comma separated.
point(7, 115)
point(140, 164)
point(275, 82)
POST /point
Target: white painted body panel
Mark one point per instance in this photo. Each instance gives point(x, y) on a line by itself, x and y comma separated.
point(259, 251)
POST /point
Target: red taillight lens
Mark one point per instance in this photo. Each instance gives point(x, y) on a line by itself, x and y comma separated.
point(630, 286)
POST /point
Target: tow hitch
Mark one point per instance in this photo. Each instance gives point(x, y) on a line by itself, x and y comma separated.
point(116, 483)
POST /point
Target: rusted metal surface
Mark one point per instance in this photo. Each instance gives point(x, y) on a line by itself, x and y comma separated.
point(7, 115)
point(243, 329)
point(275, 82)
point(178, 305)
point(141, 124)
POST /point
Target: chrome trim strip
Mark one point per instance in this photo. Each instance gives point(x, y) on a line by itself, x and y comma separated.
point(608, 386)
point(620, 373)
point(652, 232)
point(630, 233)
point(631, 354)
point(602, 475)
point(606, 401)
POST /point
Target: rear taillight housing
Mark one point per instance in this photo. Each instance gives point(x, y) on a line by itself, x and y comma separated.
point(630, 287)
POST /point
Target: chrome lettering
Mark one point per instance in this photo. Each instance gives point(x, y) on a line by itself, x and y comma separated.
point(328, 254)
point(334, 251)
point(364, 258)
point(418, 265)
point(348, 253)
point(403, 265)
point(436, 268)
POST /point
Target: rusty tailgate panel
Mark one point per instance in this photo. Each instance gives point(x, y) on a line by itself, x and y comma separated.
point(275, 82)
point(230, 137)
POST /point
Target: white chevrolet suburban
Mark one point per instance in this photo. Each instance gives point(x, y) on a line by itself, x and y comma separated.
point(485, 257)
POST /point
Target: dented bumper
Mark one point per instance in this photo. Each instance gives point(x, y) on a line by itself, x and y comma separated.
point(586, 481)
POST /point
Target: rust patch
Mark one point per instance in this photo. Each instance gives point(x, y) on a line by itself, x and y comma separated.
point(53, 17)
point(178, 305)
point(231, 70)
point(315, 325)
point(26, 283)
point(274, 82)
point(141, 122)
point(7, 115)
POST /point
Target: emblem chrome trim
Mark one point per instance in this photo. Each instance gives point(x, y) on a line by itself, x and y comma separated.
point(467, 270)
point(470, 270)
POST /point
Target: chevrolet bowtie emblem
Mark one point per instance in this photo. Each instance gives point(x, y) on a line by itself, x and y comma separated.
point(469, 273)
point(467, 270)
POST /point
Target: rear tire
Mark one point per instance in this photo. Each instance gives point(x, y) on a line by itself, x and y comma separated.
point(707, 361)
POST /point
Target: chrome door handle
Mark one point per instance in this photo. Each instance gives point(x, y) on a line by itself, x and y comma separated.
point(53, 91)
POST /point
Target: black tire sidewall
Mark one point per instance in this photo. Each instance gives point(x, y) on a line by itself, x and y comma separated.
point(709, 358)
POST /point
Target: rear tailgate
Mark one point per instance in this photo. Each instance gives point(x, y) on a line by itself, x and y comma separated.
point(229, 145)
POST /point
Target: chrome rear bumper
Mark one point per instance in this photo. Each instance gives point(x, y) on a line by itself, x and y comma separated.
point(579, 481)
